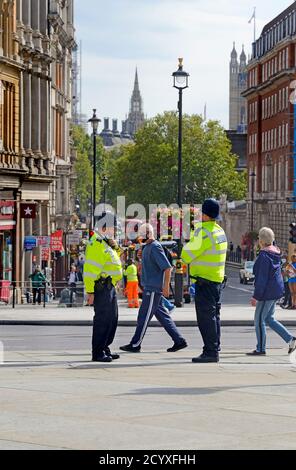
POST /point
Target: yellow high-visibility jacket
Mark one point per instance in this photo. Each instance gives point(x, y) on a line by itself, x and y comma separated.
point(206, 252)
point(131, 273)
point(100, 261)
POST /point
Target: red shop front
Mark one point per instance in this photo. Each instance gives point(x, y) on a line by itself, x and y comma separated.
point(7, 247)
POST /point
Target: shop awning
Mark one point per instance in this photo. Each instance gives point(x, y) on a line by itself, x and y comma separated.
point(7, 224)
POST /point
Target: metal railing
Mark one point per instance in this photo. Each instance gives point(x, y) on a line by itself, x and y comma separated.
point(240, 257)
point(234, 257)
point(58, 293)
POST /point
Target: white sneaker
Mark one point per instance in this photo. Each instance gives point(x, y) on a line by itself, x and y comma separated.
point(292, 346)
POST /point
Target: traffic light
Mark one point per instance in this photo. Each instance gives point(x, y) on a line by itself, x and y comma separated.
point(293, 232)
point(91, 234)
point(77, 205)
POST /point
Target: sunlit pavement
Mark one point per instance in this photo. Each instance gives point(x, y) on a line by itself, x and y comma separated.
point(55, 398)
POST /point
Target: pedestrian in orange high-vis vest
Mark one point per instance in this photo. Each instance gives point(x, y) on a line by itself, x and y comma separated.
point(132, 286)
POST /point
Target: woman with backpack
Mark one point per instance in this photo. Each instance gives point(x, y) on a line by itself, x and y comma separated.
point(269, 287)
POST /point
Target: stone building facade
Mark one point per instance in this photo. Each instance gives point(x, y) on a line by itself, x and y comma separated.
point(12, 163)
point(36, 42)
point(271, 73)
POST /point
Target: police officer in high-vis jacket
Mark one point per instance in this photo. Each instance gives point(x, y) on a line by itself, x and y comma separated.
point(102, 271)
point(206, 254)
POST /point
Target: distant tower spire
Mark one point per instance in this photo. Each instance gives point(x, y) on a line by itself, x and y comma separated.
point(243, 59)
point(136, 84)
point(136, 116)
point(237, 84)
point(233, 53)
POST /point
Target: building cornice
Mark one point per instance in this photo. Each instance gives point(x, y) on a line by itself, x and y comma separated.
point(11, 63)
point(288, 73)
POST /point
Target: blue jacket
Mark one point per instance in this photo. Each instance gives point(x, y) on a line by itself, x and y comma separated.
point(269, 283)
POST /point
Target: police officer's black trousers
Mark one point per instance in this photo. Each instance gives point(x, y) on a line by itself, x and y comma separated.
point(105, 320)
point(208, 306)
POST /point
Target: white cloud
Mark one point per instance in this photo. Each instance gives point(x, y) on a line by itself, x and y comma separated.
point(119, 35)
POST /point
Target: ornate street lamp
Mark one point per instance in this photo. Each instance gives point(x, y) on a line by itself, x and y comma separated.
point(94, 121)
point(181, 83)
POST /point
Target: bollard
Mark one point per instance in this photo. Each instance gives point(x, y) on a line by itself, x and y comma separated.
point(13, 294)
point(44, 296)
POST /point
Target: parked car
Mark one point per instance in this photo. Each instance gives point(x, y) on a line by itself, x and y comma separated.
point(246, 274)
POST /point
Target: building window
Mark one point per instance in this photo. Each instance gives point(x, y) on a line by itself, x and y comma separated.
point(280, 100)
point(8, 135)
point(280, 136)
point(287, 57)
point(287, 134)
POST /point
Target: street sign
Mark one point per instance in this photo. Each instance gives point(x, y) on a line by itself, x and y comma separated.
point(45, 252)
point(30, 243)
point(56, 241)
point(43, 241)
point(74, 238)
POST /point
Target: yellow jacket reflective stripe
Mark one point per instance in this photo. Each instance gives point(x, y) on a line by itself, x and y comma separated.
point(100, 261)
point(206, 252)
point(131, 273)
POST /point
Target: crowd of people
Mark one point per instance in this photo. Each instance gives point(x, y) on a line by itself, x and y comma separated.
point(275, 283)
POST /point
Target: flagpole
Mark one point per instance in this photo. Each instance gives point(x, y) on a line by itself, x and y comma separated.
point(254, 24)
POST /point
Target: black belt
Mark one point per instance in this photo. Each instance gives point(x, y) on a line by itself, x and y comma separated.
point(200, 281)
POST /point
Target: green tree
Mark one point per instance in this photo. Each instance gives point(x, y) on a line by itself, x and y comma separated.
point(146, 172)
point(83, 166)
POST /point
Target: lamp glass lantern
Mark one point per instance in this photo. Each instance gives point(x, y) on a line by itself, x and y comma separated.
point(94, 121)
point(181, 77)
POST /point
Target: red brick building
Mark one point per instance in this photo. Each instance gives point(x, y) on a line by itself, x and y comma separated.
point(271, 71)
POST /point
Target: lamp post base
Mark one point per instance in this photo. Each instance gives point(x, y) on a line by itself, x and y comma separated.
point(179, 290)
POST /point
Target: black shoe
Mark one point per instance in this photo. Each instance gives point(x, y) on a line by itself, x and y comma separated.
point(102, 358)
point(256, 353)
point(113, 356)
point(130, 348)
point(204, 359)
point(178, 346)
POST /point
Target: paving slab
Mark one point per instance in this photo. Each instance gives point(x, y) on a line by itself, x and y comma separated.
point(152, 400)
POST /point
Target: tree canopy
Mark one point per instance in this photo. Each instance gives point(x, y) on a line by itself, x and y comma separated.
point(146, 171)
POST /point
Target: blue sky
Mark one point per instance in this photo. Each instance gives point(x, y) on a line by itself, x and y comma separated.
point(118, 35)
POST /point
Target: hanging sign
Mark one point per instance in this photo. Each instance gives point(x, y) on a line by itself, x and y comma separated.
point(30, 243)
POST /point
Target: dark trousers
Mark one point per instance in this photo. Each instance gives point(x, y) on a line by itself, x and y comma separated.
point(37, 294)
point(152, 305)
point(208, 306)
point(72, 292)
point(105, 320)
point(287, 300)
